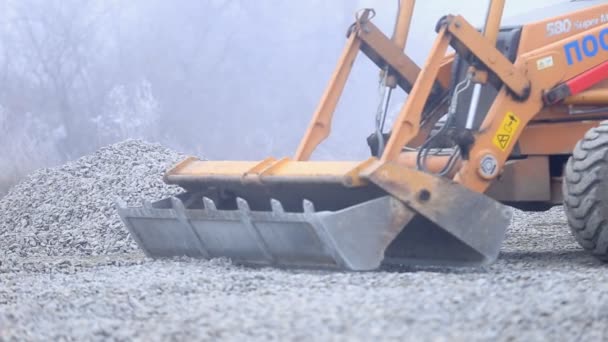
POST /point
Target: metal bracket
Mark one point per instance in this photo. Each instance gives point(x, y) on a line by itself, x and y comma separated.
point(468, 41)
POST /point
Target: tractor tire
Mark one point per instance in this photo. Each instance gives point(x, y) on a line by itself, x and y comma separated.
point(585, 191)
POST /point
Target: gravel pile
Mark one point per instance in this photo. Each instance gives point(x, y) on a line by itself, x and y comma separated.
point(97, 287)
point(69, 210)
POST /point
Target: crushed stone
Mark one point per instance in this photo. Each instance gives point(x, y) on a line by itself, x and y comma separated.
point(69, 210)
point(68, 271)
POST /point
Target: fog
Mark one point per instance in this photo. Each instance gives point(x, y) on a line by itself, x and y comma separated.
point(220, 79)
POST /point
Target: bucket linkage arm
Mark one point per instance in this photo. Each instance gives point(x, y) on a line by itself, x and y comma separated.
point(364, 36)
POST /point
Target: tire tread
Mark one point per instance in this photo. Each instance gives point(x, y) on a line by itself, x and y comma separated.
point(585, 199)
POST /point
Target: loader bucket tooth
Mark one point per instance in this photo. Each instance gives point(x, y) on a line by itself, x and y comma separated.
point(354, 238)
point(209, 204)
point(276, 206)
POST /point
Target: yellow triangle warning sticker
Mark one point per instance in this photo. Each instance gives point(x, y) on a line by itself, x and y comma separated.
point(503, 140)
point(506, 131)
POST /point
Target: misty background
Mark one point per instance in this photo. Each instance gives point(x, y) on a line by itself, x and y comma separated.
point(219, 79)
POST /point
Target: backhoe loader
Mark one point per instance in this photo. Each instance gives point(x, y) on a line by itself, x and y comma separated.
point(498, 117)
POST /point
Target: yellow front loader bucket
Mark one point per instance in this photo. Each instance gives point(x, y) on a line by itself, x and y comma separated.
point(357, 215)
point(331, 215)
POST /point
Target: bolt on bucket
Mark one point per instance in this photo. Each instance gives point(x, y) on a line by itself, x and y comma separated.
point(400, 217)
point(353, 238)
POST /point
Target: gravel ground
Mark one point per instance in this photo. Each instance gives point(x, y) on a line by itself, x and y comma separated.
point(544, 287)
point(70, 210)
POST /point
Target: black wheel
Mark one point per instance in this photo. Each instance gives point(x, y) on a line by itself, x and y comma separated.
point(585, 190)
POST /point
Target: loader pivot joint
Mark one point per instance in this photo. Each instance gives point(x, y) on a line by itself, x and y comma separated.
point(374, 146)
point(442, 22)
point(520, 97)
point(464, 139)
point(556, 94)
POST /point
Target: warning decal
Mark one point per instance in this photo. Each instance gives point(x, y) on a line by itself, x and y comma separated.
point(507, 130)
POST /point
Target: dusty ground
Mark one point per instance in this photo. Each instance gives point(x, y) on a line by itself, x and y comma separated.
point(544, 287)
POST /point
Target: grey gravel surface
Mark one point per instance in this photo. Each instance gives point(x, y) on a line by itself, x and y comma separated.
point(544, 287)
point(69, 210)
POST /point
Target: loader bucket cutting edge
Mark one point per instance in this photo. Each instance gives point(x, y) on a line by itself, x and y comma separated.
point(320, 224)
point(353, 238)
